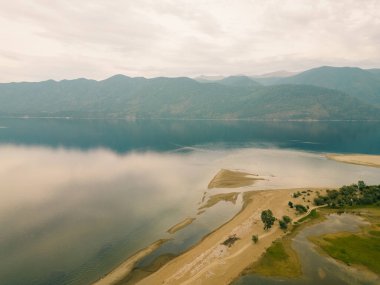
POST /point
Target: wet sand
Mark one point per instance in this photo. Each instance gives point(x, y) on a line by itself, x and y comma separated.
point(232, 179)
point(359, 159)
point(126, 267)
point(180, 225)
point(215, 199)
point(210, 262)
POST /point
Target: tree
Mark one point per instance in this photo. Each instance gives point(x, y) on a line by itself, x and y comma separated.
point(361, 184)
point(300, 208)
point(286, 219)
point(267, 218)
point(283, 225)
point(290, 204)
point(255, 238)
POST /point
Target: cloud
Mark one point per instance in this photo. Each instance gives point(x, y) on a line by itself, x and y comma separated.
point(67, 39)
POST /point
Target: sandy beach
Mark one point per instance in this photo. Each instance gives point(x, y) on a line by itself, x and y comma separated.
point(210, 262)
point(359, 159)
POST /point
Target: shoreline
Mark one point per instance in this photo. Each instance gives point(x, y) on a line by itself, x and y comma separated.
point(127, 266)
point(213, 263)
point(357, 159)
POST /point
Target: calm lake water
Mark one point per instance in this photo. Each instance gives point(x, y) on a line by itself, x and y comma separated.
point(79, 196)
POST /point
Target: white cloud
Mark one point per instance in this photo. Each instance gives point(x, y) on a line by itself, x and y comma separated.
point(59, 39)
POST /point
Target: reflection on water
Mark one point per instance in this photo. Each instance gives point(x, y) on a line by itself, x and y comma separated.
point(70, 216)
point(319, 269)
point(162, 135)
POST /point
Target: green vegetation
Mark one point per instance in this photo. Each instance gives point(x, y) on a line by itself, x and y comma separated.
point(267, 218)
point(286, 219)
point(255, 238)
point(352, 249)
point(312, 215)
point(296, 194)
point(362, 248)
point(278, 261)
point(300, 209)
point(353, 195)
point(290, 204)
point(284, 222)
point(283, 225)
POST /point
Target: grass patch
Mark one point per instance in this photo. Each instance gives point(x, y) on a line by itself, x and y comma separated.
point(374, 233)
point(362, 248)
point(352, 249)
point(278, 261)
point(312, 215)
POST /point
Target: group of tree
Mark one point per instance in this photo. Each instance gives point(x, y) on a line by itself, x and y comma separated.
point(284, 222)
point(300, 209)
point(355, 194)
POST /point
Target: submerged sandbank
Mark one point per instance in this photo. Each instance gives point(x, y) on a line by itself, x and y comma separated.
point(232, 179)
point(180, 225)
point(126, 267)
point(211, 262)
point(359, 159)
point(215, 199)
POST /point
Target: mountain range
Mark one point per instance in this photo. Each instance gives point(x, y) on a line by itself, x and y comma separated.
point(324, 93)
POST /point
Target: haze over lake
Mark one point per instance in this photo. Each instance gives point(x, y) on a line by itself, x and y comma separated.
point(79, 196)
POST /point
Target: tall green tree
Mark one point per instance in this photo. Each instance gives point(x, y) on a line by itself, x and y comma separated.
point(267, 218)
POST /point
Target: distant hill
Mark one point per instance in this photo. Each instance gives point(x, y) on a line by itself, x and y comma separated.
point(238, 81)
point(231, 98)
point(359, 83)
point(208, 78)
point(278, 74)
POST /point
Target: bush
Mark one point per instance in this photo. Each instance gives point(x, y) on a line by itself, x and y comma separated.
point(300, 208)
point(286, 219)
point(290, 204)
point(255, 238)
point(283, 225)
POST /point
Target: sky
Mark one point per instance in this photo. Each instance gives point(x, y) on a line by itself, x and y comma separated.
point(66, 39)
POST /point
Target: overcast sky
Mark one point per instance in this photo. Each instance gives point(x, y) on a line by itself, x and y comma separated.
point(57, 39)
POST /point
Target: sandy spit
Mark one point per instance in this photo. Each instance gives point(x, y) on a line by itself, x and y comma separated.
point(210, 262)
point(360, 159)
point(232, 179)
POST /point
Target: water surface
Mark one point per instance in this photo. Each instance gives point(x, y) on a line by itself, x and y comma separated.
point(79, 196)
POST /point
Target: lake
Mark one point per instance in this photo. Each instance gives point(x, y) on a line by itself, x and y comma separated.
point(79, 196)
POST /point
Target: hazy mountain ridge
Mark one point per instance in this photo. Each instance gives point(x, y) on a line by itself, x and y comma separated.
point(234, 97)
point(360, 83)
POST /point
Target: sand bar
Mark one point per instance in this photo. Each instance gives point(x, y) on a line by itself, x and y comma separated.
point(126, 267)
point(180, 225)
point(215, 199)
point(210, 262)
point(360, 159)
point(232, 179)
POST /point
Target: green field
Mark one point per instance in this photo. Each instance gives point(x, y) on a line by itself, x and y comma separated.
point(362, 248)
point(279, 260)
